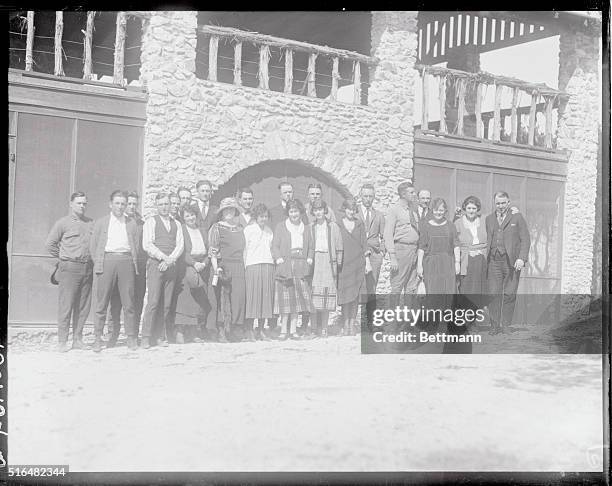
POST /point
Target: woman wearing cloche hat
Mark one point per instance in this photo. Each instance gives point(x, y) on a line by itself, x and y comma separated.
point(226, 248)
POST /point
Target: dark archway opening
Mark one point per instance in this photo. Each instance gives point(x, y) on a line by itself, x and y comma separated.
point(265, 177)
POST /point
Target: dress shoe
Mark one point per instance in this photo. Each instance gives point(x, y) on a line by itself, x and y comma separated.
point(493, 331)
point(144, 343)
point(112, 341)
point(294, 337)
point(79, 344)
point(197, 340)
point(180, 338)
point(63, 347)
point(163, 343)
point(283, 336)
point(97, 347)
point(249, 336)
point(132, 343)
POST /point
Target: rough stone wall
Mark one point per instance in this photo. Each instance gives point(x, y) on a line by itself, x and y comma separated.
point(200, 129)
point(579, 121)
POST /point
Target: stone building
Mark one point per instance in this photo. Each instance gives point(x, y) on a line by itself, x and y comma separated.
point(191, 98)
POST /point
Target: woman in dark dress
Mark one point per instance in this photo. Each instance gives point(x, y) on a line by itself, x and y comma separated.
point(226, 251)
point(438, 264)
point(351, 282)
point(192, 277)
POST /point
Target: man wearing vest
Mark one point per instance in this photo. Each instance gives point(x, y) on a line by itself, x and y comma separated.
point(162, 239)
point(508, 249)
point(114, 248)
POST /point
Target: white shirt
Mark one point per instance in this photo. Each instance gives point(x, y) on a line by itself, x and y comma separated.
point(148, 236)
point(197, 242)
point(257, 245)
point(321, 237)
point(296, 232)
point(117, 240)
point(472, 226)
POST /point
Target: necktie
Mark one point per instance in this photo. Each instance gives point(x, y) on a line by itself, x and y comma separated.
point(368, 221)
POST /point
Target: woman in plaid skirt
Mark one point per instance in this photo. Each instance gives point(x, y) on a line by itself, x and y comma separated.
point(327, 258)
point(292, 250)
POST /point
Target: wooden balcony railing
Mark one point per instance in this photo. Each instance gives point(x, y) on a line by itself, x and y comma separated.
point(64, 46)
point(465, 106)
point(340, 67)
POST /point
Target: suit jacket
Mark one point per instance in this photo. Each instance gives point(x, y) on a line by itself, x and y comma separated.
point(243, 220)
point(189, 245)
point(515, 234)
point(278, 215)
point(100, 235)
point(376, 230)
point(211, 217)
point(426, 215)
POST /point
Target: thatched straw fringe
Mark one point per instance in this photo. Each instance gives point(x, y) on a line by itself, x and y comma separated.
point(59, 30)
point(442, 97)
point(29, 41)
point(497, 112)
point(282, 43)
point(532, 117)
point(264, 58)
point(478, 110)
point(513, 116)
point(87, 47)
point(461, 106)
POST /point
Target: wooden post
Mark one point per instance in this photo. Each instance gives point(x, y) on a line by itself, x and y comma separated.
point(478, 111)
point(442, 97)
point(513, 116)
point(29, 41)
point(59, 30)
point(357, 81)
point(312, 89)
point(118, 77)
point(461, 106)
point(288, 71)
point(548, 132)
point(335, 77)
point(496, 112)
point(213, 47)
point(532, 117)
point(88, 46)
point(425, 102)
point(264, 58)
point(238, 63)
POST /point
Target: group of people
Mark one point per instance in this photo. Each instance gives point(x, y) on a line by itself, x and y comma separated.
point(242, 271)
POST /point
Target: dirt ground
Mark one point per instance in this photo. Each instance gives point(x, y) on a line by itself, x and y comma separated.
point(303, 406)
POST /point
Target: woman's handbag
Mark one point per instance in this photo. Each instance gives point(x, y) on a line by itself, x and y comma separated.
point(194, 278)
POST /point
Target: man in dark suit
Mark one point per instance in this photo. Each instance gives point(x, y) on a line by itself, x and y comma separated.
point(423, 211)
point(508, 244)
point(374, 223)
point(245, 200)
point(277, 213)
point(208, 213)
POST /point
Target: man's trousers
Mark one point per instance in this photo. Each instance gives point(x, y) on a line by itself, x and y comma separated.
point(140, 287)
point(503, 284)
point(75, 281)
point(160, 287)
point(118, 275)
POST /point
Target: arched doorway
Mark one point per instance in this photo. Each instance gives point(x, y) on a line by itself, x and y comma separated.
point(265, 177)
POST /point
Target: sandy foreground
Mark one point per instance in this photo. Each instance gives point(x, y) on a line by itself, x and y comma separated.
point(315, 405)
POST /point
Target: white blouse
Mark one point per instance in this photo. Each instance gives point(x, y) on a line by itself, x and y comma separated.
point(472, 226)
point(297, 234)
point(197, 242)
point(257, 245)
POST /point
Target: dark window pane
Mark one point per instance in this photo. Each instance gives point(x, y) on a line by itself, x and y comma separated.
point(108, 158)
point(472, 183)
point(42, 179)
point(438, 181)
